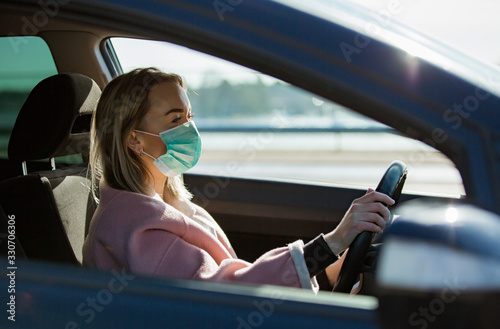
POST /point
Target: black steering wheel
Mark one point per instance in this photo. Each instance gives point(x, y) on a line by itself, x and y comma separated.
point(391, 184)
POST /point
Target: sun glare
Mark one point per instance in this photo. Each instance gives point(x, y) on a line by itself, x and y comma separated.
point(451, 215)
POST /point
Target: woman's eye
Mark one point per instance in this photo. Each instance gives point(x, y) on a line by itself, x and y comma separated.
point(177, 119)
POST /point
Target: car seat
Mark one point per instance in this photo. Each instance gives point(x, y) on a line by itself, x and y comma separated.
point(52, 208)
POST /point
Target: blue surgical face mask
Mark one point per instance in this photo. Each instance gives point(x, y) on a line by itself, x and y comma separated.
point(183, 149)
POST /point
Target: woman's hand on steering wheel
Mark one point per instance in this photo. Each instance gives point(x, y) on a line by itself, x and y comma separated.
point(367, 213)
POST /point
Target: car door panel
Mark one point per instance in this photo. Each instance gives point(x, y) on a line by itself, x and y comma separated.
point(55, 296)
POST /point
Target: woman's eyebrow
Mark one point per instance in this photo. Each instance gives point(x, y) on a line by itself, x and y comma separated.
point(174, 111)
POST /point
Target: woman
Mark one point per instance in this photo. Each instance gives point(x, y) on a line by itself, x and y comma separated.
point(142, 139)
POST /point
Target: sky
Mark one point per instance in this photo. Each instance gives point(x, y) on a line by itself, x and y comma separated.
point(472, 26)
point(196, 67)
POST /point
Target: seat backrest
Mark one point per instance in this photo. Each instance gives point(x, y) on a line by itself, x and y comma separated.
point(52, 208)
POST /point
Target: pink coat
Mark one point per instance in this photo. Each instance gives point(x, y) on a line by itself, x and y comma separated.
point(144, 235)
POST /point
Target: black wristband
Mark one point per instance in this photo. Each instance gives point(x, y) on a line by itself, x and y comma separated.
point(318, 255)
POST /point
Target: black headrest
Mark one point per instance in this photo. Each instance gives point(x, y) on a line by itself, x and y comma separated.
point(55, 119)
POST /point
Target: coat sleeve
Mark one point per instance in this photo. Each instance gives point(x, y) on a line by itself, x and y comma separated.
point(169, 255)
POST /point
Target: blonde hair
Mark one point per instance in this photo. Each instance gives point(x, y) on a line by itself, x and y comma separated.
point(122, 106)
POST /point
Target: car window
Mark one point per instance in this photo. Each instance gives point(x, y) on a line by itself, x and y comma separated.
point(253, 125)
point(24, 61)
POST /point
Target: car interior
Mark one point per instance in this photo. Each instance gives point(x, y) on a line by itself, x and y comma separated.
point(51, 198)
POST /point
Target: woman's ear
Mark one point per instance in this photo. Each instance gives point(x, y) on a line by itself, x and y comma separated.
point(133, 143)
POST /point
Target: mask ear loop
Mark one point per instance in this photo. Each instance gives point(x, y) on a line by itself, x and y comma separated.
point(149, 155)
point(145, 132)
point(141, 152)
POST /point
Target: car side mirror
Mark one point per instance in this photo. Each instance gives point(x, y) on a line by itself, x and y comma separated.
point(439, 267)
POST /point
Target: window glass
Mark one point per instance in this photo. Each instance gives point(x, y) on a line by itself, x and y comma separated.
point(24, 61)
point(253, 125)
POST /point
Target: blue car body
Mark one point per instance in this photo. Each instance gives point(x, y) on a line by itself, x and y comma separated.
point(396, 76)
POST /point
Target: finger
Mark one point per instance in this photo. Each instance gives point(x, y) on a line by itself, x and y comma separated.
point(370, 190)
point(375, 207)
point(360, 219)
point(376, 197)
point(382, 210)
point(374, 218)
point(370, 227)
